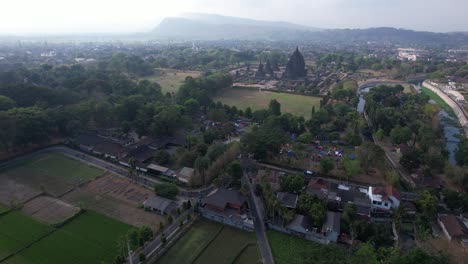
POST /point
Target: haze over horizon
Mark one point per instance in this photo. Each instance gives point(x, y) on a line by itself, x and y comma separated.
point(123, 16)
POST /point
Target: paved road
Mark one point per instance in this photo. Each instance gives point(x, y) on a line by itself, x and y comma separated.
point(259, 215)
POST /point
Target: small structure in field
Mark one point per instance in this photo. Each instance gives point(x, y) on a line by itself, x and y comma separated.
point(225, 200)
point(158, 204)
point(185, 174)
point(288, 200)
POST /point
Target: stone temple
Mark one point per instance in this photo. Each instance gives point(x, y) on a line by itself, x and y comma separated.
point(296, 66)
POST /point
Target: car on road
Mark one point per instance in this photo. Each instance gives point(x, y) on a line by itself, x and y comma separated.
point(308, 172)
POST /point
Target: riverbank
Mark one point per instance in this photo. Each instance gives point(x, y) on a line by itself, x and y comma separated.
point(442, 100)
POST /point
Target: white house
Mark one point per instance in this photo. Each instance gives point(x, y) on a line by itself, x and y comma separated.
point(384, 198)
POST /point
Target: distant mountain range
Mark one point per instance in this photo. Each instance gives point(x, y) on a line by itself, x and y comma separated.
point(196, 26)
point(210, 27)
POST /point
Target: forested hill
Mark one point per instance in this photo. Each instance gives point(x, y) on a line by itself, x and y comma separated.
point(213, 27)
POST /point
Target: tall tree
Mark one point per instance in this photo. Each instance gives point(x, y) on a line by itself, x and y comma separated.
point(275, 107)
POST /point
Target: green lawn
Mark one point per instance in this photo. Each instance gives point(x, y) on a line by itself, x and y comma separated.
point(192, 243)
point(290, 103)
point(439, 101)
point(289, 249)
point(199, 244)
point(350, 84)
point(170, 79)
point(54, 173)
point(3, 208)
point(59, 166)
point(17, 231)
point(89, 238)
point(227, 245)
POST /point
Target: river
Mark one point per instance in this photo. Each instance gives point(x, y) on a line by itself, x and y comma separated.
point(451, 131)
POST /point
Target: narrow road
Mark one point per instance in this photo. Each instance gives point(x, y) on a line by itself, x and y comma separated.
point(153, 246)
point(258, 214)
point(105, 165)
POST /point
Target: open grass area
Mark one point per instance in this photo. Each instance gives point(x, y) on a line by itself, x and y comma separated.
point(210, 242)
point(170, 79)
point(290, 103)
point(227, 246)
point(53, 173)
point(289, 249)
point(408, 88)
point(17, 231)
point(350, 84)
point(3, 209)
point(89, 238)
point(439, 101)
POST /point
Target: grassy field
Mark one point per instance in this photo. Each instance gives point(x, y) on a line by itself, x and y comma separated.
point(3, 208)
point(408, 89)
point(210, 242)
point(18, 230)
point(350, 84)
point(293, 250)
point(89, 238)
point(439, 101)
point(53, 173)
point(290, 103)
point(170, 79)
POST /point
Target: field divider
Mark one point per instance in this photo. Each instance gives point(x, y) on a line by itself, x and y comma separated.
point(244, 248)
point(68, 220)
point(208, 244)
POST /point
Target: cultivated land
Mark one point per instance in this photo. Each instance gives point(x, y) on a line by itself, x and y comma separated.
point(3, 209)
point(117, 198)
point(13, 193)
point(49, 210)
point(170, 79)
point(289, 249)
point(290, 103)
point(18, 231)
point(53, 173)
point(88, 238)
point(210, 242)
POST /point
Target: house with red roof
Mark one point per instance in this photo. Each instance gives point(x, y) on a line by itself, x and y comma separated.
point(453, 227)
point(384, 198)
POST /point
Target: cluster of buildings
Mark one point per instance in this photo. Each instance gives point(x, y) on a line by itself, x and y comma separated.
point(370, 202)
point(409, 54)
point(132, 151)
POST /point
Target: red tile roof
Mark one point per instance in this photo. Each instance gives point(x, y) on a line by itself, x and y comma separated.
point(386, 192)
point(453, 226)
point(317, 184)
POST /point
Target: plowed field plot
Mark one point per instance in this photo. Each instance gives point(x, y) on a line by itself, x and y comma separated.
point(12, 192)
point(120, 188)
point(17, 231)
point(116, 198)
point(49, 210)
point(53, 173)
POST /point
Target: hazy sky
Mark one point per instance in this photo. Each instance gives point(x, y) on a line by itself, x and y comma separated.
point(70, 16)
